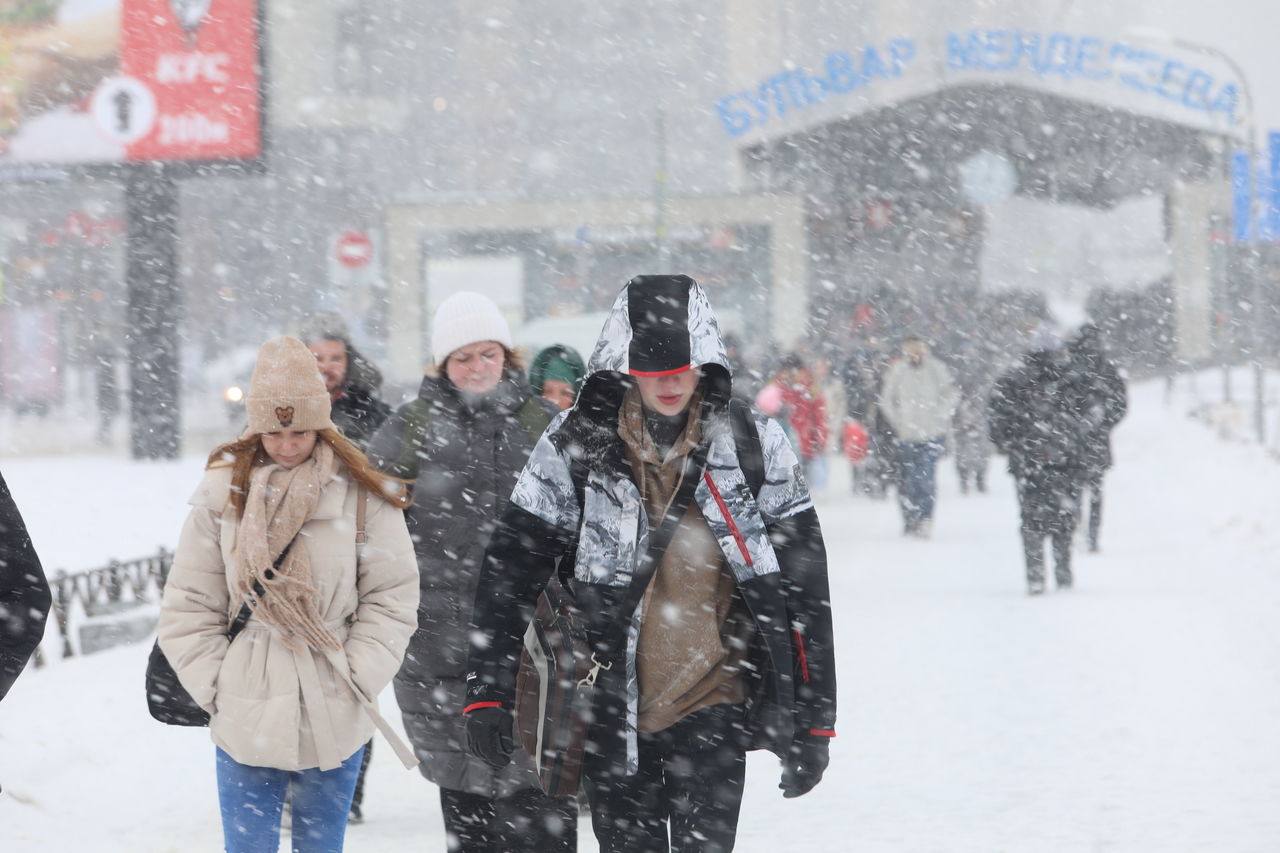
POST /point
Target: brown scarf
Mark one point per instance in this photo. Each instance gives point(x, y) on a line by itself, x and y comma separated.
point(279, 502)
point(656, 477)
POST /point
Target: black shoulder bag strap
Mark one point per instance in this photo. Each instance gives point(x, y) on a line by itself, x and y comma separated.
point(659, 538)
point(242, 618)
point(746, 438)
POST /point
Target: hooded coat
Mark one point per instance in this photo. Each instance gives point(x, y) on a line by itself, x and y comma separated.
point(24, 593)
point(578, 511)
point(358, 411)
point(1040, 417)
point(463, 463)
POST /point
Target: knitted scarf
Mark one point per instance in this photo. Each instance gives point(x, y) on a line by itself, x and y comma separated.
point(279, 502)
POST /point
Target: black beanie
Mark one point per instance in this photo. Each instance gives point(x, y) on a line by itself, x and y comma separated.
point(658, 309)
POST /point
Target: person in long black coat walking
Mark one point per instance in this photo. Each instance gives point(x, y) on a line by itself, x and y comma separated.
point(24, 593)
point(1039, 414)
point(1108, 402)
point(463, 443)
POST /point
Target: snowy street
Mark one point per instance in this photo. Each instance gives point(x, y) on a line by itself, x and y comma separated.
point(1136, 712)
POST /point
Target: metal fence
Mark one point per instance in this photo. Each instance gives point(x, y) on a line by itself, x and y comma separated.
point(118, 587)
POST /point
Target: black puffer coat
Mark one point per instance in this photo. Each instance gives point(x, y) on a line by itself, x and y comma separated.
point(24, 593)
point(1107, 398)
point(463, 463)
point(359, 412)
point(1039, 415)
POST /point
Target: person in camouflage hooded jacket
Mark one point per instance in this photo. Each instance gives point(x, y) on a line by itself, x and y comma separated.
point(582, 508)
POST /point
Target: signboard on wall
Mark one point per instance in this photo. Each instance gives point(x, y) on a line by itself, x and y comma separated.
point(1168, 82)
point(107, 82)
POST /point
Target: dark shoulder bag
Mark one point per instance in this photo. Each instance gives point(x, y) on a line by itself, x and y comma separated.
point(556, 680)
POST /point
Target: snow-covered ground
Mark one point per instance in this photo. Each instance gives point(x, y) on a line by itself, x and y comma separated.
point(1137, 712)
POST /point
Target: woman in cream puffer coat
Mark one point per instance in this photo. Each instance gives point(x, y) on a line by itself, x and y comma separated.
point(293, 697)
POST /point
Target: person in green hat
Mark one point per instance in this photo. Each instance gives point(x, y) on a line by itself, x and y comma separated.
point(556, 375)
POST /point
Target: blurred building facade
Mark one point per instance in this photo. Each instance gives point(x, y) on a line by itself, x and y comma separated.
point(451, 106)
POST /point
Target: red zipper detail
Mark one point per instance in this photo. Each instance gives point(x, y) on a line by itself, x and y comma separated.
point(476, 706)
point(804, 658)
point(822, 732)
point(728, 519)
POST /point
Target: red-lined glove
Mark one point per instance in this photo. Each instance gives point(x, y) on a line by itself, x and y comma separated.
point(804, 765)
point(489, 733)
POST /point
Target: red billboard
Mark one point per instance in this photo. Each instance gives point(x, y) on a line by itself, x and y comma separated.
point(88, 82)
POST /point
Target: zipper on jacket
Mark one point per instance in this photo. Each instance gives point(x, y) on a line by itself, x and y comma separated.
point(804, 657)
point(728, 519)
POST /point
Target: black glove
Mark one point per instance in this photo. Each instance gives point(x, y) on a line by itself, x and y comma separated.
point(489, 736)
point(804, 765)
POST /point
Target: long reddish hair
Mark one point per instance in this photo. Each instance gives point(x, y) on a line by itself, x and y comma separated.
point(243, 454)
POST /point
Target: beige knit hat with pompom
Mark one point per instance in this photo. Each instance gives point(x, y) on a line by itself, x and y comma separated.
point(286, 391)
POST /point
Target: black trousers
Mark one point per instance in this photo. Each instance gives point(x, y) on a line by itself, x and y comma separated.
point(1048, 499)
point(528, 821)
point(689, 784)
point(1093, 485)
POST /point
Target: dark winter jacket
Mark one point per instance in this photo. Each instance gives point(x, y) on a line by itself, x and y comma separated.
point(1107, 399)
point(358, 412)
point(24, 593)
point(577, 510)
point(463, 464)
point(1040, 417)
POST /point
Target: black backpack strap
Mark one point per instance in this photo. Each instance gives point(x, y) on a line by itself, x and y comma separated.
point(661, 536)
point(242, 618)
point(746, 438)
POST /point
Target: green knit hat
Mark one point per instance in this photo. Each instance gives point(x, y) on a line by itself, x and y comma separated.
point(557, 362)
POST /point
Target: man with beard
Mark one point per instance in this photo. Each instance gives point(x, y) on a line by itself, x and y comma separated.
point(352, 382)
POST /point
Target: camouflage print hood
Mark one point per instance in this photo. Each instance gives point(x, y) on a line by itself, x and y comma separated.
point(675, 322)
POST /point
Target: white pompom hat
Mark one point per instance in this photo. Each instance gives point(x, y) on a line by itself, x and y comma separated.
point(467, 318)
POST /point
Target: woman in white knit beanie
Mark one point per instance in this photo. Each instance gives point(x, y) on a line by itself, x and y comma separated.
point(291, 522)
point(463, 442)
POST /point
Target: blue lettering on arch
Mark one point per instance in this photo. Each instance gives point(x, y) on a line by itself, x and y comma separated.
point(873, 65)
point(1088, 53)
point(901, 51)
point(1058, 52)
point(1226, 101)
point(964, 51)
point(1067, 55)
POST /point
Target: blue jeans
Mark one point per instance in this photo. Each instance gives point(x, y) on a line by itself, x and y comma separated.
point(815, 472)
point(252, 799)
point(918, 483)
